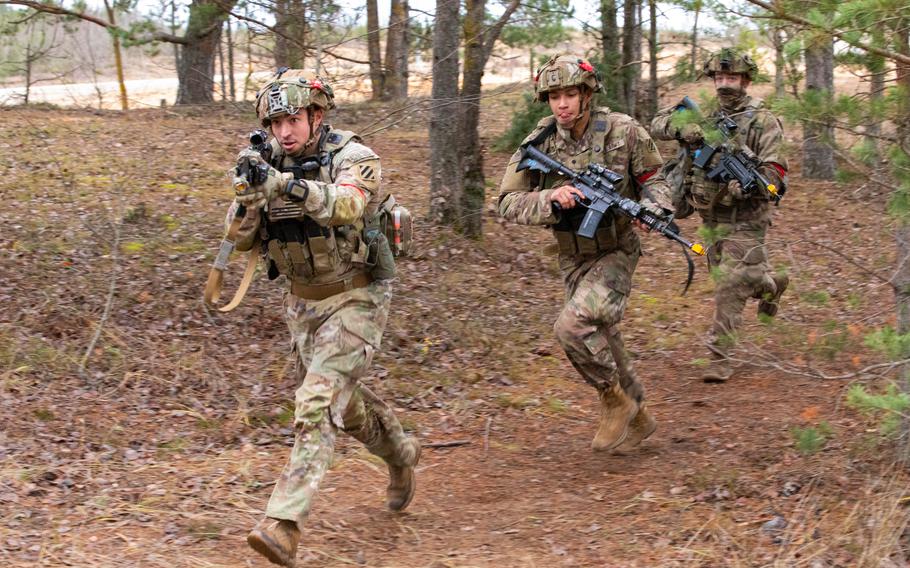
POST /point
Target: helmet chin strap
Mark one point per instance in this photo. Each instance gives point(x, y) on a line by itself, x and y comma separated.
point(584, 110)
point(314, 136)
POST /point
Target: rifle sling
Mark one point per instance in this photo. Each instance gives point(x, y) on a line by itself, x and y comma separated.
point(215, 281)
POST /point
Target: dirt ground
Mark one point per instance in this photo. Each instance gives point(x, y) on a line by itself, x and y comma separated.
point(163, 451)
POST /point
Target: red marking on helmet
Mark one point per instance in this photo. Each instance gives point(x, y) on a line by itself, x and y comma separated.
point(585, 66)
point(780, 169)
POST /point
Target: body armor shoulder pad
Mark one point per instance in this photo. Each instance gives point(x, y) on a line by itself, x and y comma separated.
point(620, 119)
point(542, 124)
point(337, 139)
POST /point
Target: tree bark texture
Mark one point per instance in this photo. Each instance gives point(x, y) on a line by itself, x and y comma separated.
point(374, 49)
point(652, 57)
point(230, 58)
point(195, 76)
point(693, 55)
point(609, 41)
point(118, 58)
point(818, 154)
point(778, 41)
point(395, 79)
point(902, 276)
point(630, 66)
point(445, 166)
point(469, 138)
point(479, 40)
point(290, 34)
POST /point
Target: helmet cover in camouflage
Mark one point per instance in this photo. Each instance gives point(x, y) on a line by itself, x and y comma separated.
point(563, 71)
point(729, 60)
point(291, 91)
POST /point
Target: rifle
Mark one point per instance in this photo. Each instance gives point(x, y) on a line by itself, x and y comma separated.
point(733, 164)
point(598, 184)
point(254, 174)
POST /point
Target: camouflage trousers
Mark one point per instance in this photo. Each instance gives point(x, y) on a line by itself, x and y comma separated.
point(334, 340)
point(739, 263)
point(597, 291)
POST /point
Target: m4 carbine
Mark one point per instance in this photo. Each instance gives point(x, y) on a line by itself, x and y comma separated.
point(597, 183)
point(254, 174)
point(732, 164)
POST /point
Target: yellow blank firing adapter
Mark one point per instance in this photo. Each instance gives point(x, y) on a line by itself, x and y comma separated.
point(773, 189)
point(698, 249)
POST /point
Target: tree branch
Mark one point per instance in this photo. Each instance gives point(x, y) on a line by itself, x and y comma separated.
point(61, 11)
point(782, 14)
point(495, 30)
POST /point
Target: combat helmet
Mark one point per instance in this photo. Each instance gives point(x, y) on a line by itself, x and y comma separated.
point(291, 91)
point(563, 71)
point(730, 60)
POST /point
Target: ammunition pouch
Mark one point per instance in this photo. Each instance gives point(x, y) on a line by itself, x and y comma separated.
point(302, 249)
point(612, 234)
point(380, 258)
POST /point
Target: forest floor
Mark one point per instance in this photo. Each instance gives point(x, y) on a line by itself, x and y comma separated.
point(163, 451)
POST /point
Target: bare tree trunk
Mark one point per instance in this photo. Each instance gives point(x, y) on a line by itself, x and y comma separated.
point(374, 50)
point(197, 63)
point(818, 154)
point(609, 41)
point(901, 278)
point(779, 71)
point(28, 71)
point(174, 27)
point(118, 59)
point(693, 55)
point(445, 166)
point(395, 82)
point(630, 68)
point(281, 51)
point(221, 69)
point(652, 56)
point(469, 139)
point(230, 58)
point(478, 41)
point(249, 61)
point(290, 33)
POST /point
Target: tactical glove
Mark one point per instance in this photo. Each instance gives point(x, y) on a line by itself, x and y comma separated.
point(255, 182)
point(736, 191)
point(691, 134)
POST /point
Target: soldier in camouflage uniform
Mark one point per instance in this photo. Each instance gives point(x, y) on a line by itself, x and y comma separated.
point(597, 272)
point(738, 220)
point(308, 216)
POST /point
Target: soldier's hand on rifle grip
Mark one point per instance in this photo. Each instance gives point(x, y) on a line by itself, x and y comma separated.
point(565, 196)
point(736, 191)
point(691, 134)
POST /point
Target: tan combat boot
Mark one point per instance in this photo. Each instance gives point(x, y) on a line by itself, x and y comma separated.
point(769, 303)
point(277, 540)
point(402, 481)
point(719, 370)
point(616, 412)
point(641, 427)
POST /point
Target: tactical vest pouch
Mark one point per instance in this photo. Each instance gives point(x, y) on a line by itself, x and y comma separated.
point(381, 258)
point(565, 240)
point(570, 244)
point(324, 252)
point(276, 253)
point(299, 257)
